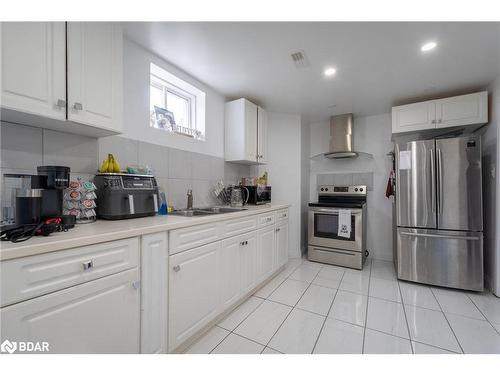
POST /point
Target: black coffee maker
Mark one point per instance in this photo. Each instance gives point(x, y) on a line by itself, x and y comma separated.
point(54, 180)
point(35, 198)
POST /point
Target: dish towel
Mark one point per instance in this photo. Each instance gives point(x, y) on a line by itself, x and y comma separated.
point(344, 223)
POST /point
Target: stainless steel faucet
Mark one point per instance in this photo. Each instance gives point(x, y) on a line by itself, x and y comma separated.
point(190, 199)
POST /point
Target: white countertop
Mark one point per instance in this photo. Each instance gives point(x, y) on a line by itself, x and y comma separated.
point(110, 230)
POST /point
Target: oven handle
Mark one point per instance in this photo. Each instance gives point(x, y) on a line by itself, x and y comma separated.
point(355, 211)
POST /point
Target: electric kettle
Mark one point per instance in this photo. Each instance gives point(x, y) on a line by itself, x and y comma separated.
point(237, 193)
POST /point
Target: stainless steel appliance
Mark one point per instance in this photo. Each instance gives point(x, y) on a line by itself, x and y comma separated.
point(259, 194)
point(439, 212)
point(239, 196)
point(125, 196)
point(324, 243)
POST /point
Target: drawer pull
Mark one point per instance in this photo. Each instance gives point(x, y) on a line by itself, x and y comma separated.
point(177, 268)
point(88, 265)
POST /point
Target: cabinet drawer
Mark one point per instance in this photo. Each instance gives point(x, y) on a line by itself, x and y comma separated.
point(267, 219)
point(239, 226)
point(281, 215)
point(36, 275)
point(188, 238)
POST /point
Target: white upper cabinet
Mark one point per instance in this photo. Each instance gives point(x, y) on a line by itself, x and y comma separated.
point(261, 135)
point(33, 68)
point(462, 110)
point(95, 74)
point(471, 109)
point(246, 132)
point(68, 72)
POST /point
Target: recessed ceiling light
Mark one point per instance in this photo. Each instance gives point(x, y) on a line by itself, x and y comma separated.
point(428, 46)
point(330, 72)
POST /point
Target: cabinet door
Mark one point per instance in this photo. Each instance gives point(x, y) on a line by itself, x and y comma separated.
point(33, 68)
point(266, 262)
point(262, 135)
point(248, 262)
point(412, 117)
point(154, 282)
point(282, 244)
point(193, 292)
point(100, 316)
point(95, 61)
point(251, 131)
point(462, 110)
point(229, 269)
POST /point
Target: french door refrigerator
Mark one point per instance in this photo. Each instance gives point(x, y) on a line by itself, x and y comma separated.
point(439, 212)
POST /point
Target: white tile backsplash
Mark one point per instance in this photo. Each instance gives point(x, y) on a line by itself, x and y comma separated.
point(24, 148)
point(75, 151)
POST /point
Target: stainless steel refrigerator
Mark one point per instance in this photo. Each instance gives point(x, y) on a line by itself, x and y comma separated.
point(439, 212)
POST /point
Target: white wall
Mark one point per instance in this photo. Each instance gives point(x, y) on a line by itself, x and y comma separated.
point(283, 167)
point(304, 182)
point(136, 63)
point(372, 134)
point(491, 191)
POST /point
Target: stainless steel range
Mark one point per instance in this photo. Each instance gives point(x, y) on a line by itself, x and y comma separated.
point(337, 226)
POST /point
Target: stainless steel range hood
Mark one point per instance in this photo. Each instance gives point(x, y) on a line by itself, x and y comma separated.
point(341, 137)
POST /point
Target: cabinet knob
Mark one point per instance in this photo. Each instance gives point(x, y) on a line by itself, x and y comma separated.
point(136, 284)
point(440, 121)
point(177, 268)
point(88, 265)
point(278, 229)
point(433, 121)
point(61, 103)
point(78, 106)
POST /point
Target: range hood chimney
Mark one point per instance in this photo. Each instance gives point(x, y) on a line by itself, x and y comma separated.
point(341, 137)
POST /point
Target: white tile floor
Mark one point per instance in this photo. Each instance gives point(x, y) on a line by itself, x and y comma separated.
point(317, 308)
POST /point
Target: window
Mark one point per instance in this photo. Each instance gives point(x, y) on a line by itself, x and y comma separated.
point(175, 105)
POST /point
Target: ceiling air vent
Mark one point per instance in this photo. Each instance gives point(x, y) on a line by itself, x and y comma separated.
point(300, 59)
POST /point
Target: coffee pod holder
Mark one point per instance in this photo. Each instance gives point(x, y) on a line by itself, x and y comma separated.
point(79, 201)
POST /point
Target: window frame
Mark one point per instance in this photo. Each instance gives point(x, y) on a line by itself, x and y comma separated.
point(169, 83)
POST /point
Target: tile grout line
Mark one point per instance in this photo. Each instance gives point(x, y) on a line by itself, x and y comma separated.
point(447, 321)
point(284, 320)
point(481, 311)
point(406, 317)
point(366, 310)
point(328, 313)
point(256, 307)
point(264, 299)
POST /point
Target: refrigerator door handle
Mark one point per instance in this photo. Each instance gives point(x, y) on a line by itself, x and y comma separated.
point(433, 181)
point(440, 180)
point(441, 236)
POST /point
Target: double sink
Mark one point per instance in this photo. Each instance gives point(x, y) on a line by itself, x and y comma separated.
point(207, 211)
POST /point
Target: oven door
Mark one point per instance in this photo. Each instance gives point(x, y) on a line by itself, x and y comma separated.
point(323, 229)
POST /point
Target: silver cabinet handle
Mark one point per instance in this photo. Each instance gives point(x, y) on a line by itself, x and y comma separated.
point(177, 268)
point(88, 265)
point(433, 121)
point(61, 103)
point(440, 121)
point(78, 106)
point(136, 284)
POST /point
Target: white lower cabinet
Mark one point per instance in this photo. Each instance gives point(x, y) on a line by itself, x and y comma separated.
point(266, 253)
point(229, 270)
point(193, 291)
point(281, 243)
point(248, 262)
point(100, 316)
point(154, 293)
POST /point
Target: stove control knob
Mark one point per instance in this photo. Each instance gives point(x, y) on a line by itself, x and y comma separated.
point(361, 189)
point(355, 189)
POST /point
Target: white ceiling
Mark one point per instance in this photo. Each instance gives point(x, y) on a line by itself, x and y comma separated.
point(378, 64)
